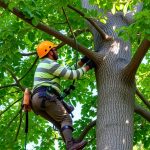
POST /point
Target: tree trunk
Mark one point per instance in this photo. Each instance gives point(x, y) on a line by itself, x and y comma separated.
point(116, 90)
point(115, 109)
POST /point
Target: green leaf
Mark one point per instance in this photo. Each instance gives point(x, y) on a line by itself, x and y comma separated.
point(35, 21)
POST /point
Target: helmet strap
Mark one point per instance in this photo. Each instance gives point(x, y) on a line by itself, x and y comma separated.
point(55, 56)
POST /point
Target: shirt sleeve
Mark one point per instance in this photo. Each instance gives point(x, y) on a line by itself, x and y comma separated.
point(61, 71)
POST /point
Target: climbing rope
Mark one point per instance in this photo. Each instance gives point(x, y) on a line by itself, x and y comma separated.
point(67, 91)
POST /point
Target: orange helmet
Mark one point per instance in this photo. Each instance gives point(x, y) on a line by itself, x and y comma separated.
point(44, 47)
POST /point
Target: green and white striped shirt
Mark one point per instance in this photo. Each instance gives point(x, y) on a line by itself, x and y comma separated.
point(48, 73)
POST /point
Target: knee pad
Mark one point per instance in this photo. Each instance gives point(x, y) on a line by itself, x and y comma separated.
point(66, 127)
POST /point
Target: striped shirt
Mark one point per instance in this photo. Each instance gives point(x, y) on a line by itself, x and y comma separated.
point(48, 73)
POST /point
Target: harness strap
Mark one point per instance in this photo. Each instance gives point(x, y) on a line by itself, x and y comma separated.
point(44, 89)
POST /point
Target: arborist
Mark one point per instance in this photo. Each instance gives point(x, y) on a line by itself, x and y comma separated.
point(46, 90)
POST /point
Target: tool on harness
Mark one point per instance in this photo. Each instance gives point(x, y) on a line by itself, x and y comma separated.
point(46, 93)
point(67, 91)
point(26, 100)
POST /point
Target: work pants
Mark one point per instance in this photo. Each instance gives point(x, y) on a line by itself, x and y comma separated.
point(53, 108)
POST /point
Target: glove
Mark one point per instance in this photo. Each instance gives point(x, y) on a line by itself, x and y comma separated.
point(91, 64)
point(85, 59)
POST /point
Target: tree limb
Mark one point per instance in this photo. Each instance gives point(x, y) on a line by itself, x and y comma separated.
point(86, 130)
point(142, 112)
point(99, 30)
point(146, 102)
point(76, 33)
point(91, 54)
point(132, 67)
point(138, 109)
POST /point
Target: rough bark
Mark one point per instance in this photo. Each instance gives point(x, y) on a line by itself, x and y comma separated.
point(114, 127)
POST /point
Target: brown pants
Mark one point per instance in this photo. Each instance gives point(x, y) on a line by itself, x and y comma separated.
point(53, 109)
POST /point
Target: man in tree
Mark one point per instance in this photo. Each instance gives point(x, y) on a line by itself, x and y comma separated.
point(46, 91)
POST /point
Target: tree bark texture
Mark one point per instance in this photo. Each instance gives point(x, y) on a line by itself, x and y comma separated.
point(116, 90)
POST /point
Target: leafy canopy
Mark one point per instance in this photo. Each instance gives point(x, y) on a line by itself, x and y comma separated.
point(18, 37)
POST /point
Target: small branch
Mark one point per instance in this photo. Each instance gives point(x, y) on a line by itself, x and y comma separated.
point(129, 16)
point(10, 106)
point(86, 130)
point(137, 58)
point(91, 54)
point(146, 102)
point(6, 86)
point(15, 78)
point(20, 122)
point(28, 70)
point(72, 33)
point(28, 54)
point(101, 32)
point(16, 115)
point(142, 112)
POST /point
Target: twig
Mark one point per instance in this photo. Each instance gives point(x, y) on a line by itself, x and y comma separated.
point(10, 106)
point(146, 102)
point(8, 125)
point(28, 54)
point(29, 69)
point(15, 78)
point(20, 122)
point(101, 32)
point(73, 35)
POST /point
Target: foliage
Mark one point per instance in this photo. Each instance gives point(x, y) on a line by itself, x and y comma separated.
point(18, 37)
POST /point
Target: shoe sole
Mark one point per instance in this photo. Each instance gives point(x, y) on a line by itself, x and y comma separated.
point(81, 146)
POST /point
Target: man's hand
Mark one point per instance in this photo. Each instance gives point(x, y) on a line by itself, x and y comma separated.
point(89, 65)
point(83, 60)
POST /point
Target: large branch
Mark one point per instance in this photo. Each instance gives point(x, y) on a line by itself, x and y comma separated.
point(142, 112)
point(53, 32)
point(146, 102)
point(137, 58)
point(76, 33)
point(99, 30)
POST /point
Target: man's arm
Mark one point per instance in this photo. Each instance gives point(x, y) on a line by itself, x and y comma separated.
point(61, 71)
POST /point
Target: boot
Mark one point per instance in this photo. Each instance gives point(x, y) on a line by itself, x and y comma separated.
point(76, 145)
point(70, 143)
